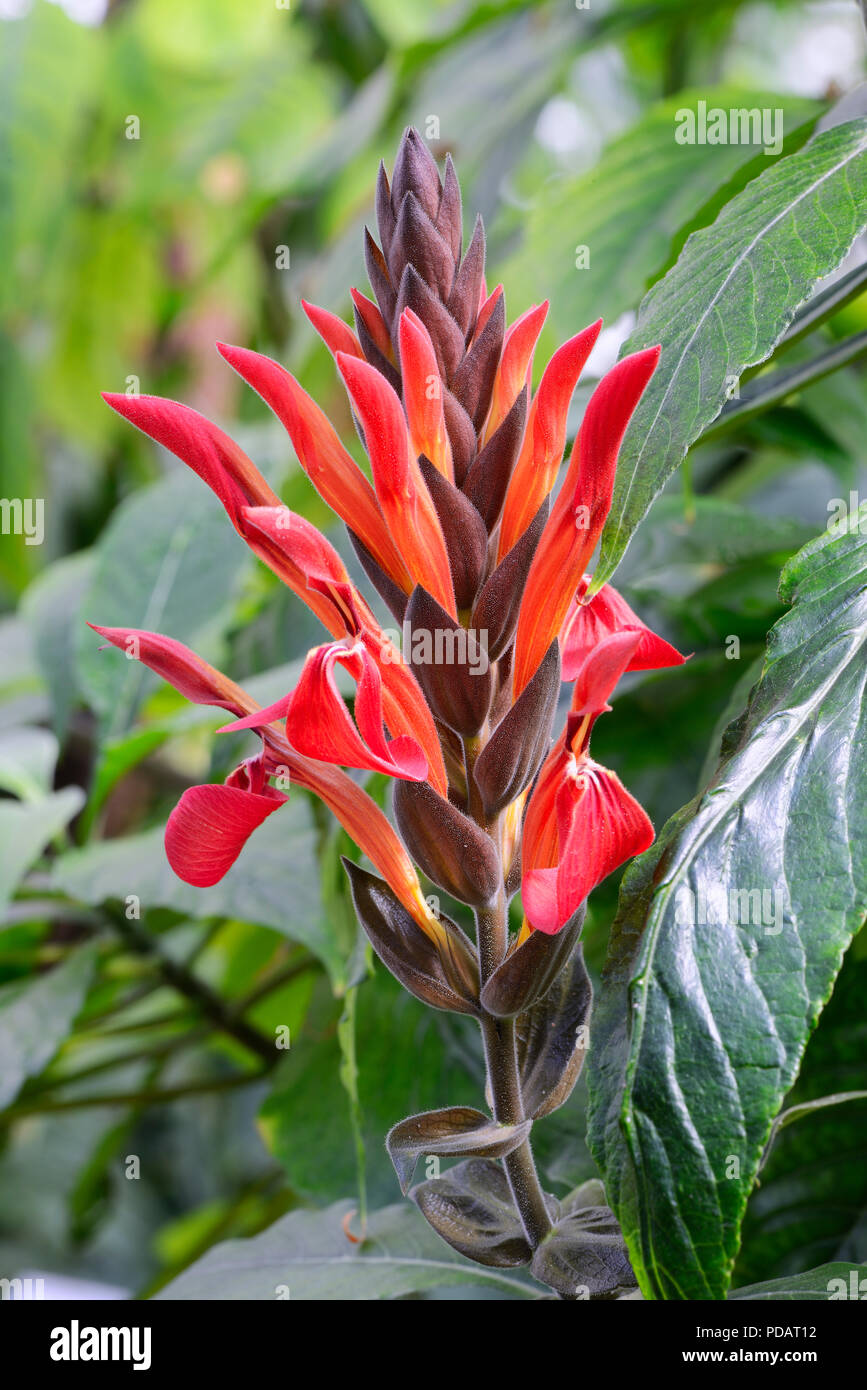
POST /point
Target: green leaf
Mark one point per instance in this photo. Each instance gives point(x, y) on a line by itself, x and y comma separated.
point(810, 1204)
point(26, 829)
point(628, 209)
point(35, 1020)
point(274, 882)
point(52, 608)
point(832, 1281)
point(407, 1058)
point(306, 1256)
point(167, 562)
point(725, 304)
point(729, 936)
point(27, 759)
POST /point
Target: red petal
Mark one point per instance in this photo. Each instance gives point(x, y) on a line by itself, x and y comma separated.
point(217, 459)
point(402, 492)
point(333, 472)
point(188, 673)
point(515, 365)
point(545, 437)
point(373, 321)
point(600, 826)
point(335, 334)
point(210, 826)
point(601, 671)
point(579, 513)
point(319, 725)
point(588, 623)
point(423, 394)
point(315, 570)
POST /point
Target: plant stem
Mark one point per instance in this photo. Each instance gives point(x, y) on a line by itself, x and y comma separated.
point(501, 1057)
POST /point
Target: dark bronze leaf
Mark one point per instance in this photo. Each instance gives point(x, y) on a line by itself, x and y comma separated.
point(496, 610)
point(512, 756)
point(446, 336)
point(529, 971)
point(456, 1132)
point(552, 1039)
point(464, 298)
point(464, 532)
point(450, 666)
point(585, 1256)
point(488, 478)
point(454, 852)
point(447, 982)
point(473, 381)
point(471, 1207)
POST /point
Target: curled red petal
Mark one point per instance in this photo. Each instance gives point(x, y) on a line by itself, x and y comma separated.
point(601, 670)
point(210, 826)
point(587, 624)
point(600, 825)
point(319, 725)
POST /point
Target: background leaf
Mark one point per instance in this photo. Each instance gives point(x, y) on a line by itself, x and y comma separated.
point(727, 302)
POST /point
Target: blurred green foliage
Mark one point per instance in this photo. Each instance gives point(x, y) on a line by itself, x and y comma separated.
point(185, 172)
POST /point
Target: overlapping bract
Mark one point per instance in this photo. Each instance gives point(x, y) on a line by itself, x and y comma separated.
point(456, 524)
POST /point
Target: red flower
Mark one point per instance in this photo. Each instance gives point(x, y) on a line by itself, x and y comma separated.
point(581, 822)
point(578, 515)
point(211, 824)
point(319, 725)
point(588, 624)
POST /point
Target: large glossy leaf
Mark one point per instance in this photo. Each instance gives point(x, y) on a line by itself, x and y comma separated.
point(726, 302)
point(307, 1256)
point(832, 1281)
point(35, 1019)
point(729, 936)
point(811, 1203)
point(628, 209)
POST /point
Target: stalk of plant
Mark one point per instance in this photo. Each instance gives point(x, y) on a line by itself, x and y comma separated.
point(487, 576)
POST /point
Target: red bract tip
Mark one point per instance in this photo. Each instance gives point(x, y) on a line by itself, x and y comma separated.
point(332, 470)
point(541, 453)
point(579, 513)
point(373, 321)
point(335, 334)
point(400, 488)
point(188, 673)
point(217, 459)
point(515, 367)
point(423, 395)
